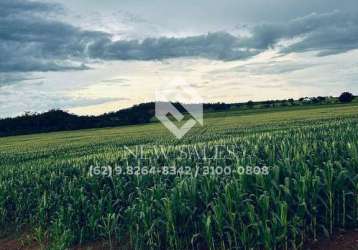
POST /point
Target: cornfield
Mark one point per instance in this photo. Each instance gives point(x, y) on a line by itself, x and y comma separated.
point(309, 192)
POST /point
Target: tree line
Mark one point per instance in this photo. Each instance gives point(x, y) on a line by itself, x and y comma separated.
point(59, 120)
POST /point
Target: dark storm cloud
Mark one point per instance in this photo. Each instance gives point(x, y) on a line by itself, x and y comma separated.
point(327, 33)
point(218, 45)
point(14, 7)
point(29, 41)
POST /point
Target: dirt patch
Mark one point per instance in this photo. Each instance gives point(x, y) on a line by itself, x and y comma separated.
point(341, 241)
point(102, 245)
point(19, 242)
point(98, 245)
point(24, 241)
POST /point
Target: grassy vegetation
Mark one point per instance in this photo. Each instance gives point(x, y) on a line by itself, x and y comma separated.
point(311, 188)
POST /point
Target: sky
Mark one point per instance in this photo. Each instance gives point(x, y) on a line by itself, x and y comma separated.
point(90, 57)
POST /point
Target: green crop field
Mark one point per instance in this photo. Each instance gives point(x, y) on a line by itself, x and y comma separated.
point(260, 179)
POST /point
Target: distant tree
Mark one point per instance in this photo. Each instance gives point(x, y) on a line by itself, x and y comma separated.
point(346, 97)
point(314, 100)
point(250, 104)
point(268, 104)
point(321, 98)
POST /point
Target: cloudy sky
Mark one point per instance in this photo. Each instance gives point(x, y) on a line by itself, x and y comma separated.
point(90, 56)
